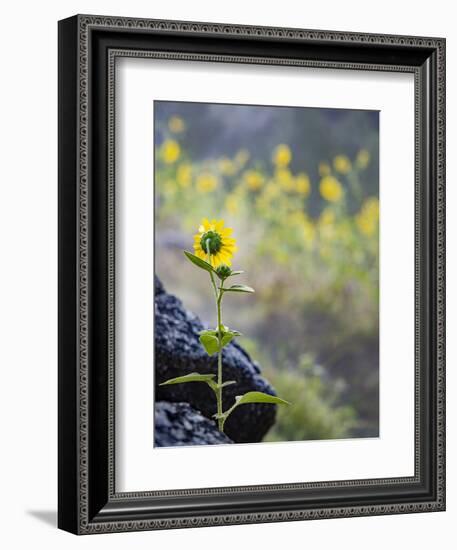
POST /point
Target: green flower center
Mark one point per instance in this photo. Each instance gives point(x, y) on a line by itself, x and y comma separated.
point(212, 241)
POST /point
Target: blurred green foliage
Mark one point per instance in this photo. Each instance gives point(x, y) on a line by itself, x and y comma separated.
point(308, 240)
point(316, 410)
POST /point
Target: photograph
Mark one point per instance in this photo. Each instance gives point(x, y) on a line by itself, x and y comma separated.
point(266, 254)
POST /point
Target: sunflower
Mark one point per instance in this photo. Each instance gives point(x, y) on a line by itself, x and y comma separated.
point(342, 164)
point(282, 156)
point(170, 151)
point(331, 189)
point(213, 236)
point(363, 159)
point(176, 124)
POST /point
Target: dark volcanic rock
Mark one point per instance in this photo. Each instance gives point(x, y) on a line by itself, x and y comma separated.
point(180, 424)
point(179, 352)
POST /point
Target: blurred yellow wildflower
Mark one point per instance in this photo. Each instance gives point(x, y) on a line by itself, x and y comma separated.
point(206, 182)
point(324, 169)
point(282, 155)
point(214, 240)
point(330, 189)
point(176, 124)
point(242, 157)
point(363, 159)
point(254, 179)
point(342, 164)
point(232, 204)
point(284, 178)
point(184, 175)
point(309, 232)
point(226, 166)
point(368, 217)
point(327, 217)
point(270, 192)
point(302, 184)
point(170, 151)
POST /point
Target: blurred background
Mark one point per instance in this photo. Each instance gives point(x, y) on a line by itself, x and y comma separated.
point(300, 187)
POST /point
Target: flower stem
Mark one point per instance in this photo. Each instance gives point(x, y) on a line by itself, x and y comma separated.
point(218, 296)
point(220, 420)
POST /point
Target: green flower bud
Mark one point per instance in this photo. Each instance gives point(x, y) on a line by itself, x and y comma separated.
point(223, 271)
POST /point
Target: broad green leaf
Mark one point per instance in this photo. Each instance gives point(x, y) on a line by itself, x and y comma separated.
point(252, 397)
point(193, 377)
point(259, 397)
point(199, 262)
point(210, 343)
point(227, 338)
point(239, 288)
point(228, 335)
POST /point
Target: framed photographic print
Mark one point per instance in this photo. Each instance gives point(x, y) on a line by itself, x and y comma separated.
point(251, 274)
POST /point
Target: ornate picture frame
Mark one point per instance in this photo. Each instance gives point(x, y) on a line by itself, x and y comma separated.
point(88, 48)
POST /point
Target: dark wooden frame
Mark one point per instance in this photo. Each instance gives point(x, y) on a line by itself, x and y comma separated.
point(88, 46)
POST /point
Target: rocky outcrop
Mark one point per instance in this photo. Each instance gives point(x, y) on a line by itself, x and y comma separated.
point(180, 424)
point(179, 352)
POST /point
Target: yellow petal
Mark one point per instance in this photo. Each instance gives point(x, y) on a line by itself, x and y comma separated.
point(219, 225)
point(205, 225)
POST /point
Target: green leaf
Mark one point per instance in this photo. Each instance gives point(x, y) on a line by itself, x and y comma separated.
point(259, 397)
point(239, 288)
point(210, 343)
point(210, 339)
point(236, 273)
point(227, 338)
point(193, 377)
point(228, 335)
point(252, 397)
point(199, 262)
